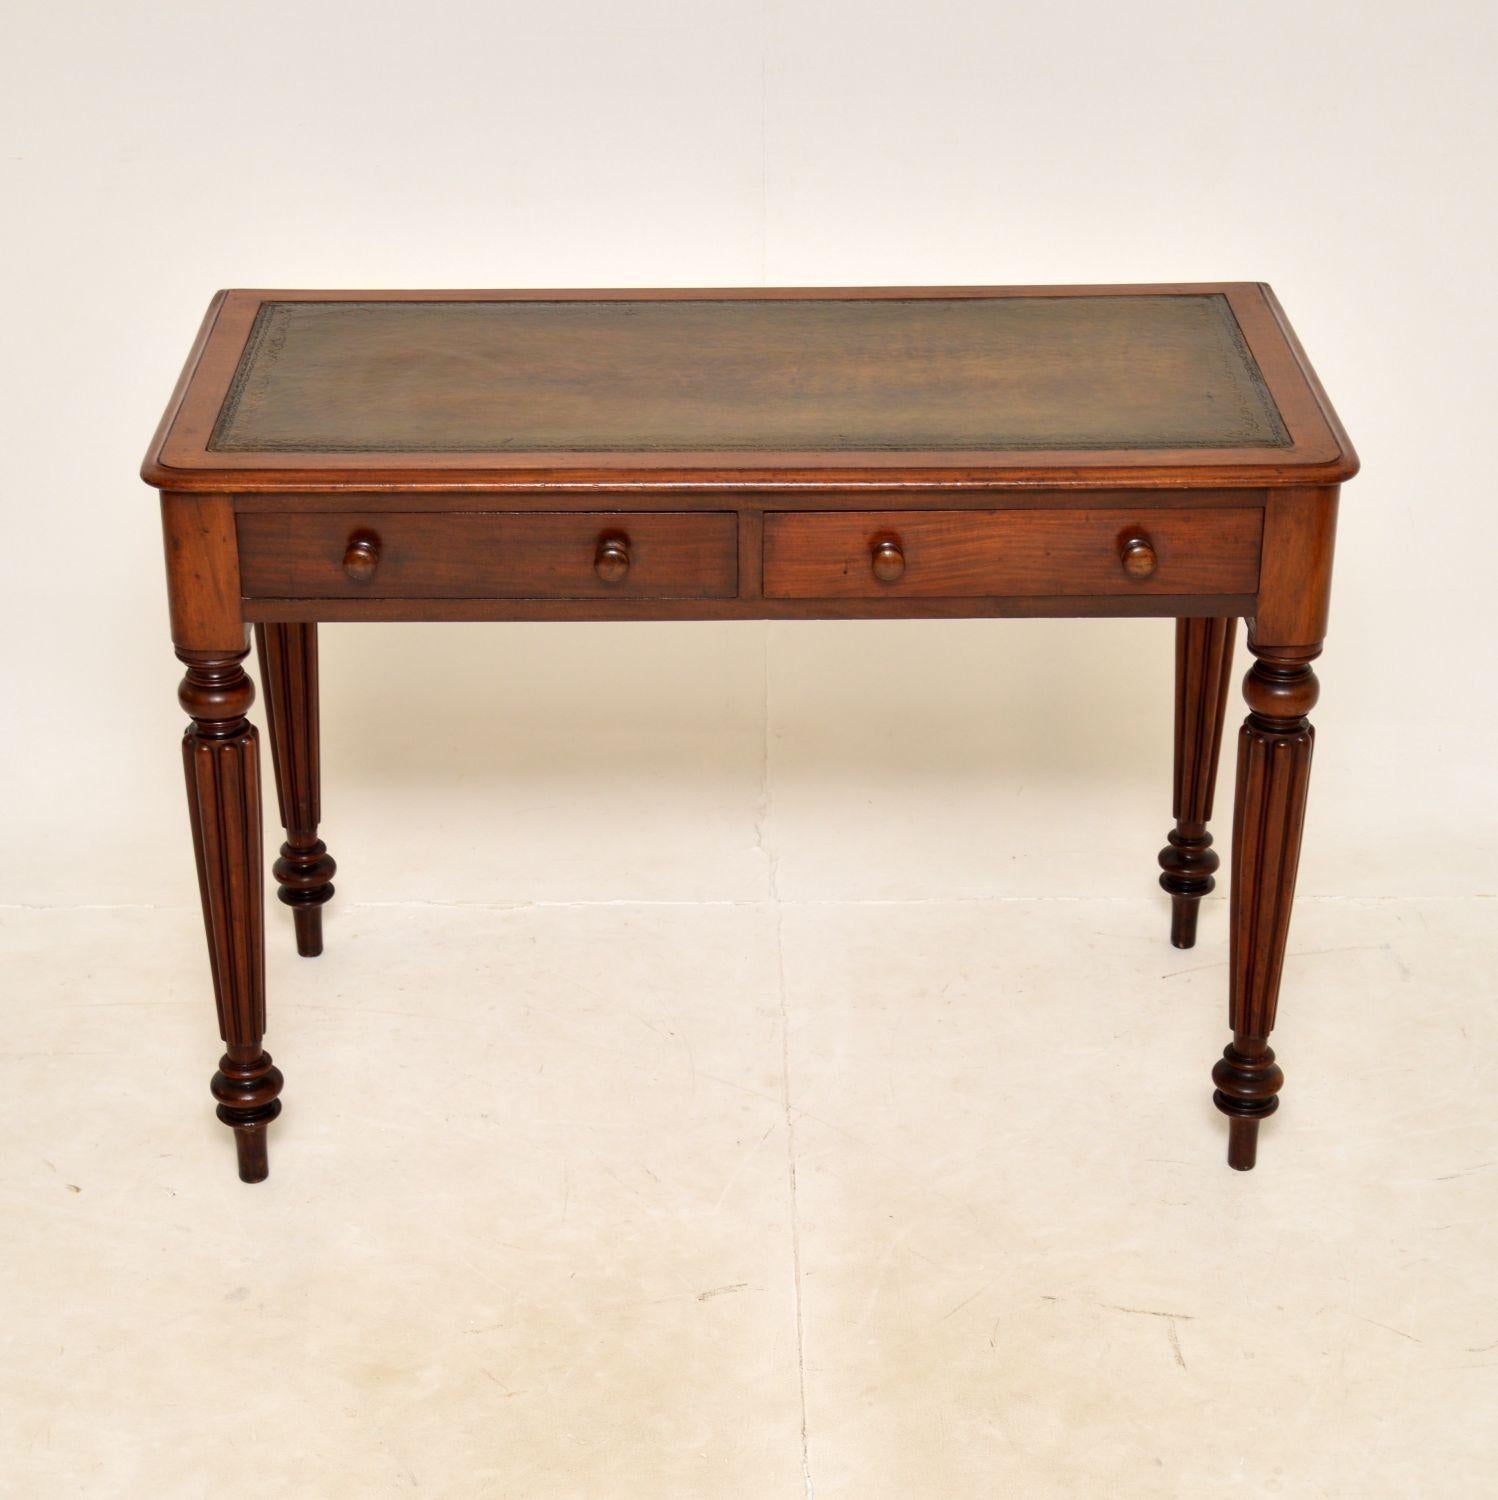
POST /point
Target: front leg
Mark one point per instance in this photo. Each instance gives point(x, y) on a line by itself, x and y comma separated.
point(220, 752)
point(1274, 769)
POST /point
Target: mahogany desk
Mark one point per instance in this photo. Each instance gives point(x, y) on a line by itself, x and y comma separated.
point(697, 455)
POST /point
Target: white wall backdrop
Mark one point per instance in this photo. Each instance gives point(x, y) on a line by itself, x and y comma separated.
point(155, 152)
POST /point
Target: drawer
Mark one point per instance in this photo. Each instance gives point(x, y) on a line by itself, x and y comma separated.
point(484, 555)
point(994, 553)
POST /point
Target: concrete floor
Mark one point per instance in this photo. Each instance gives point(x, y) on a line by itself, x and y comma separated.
point(759, 1199)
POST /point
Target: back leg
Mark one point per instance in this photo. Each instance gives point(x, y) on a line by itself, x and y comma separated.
point(1204, 661)
point(288, 677)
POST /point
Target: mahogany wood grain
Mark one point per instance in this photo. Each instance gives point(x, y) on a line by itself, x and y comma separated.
point(488, 556)
point(305, 869)
point(1188, 862)
point(1295, 592)
point(202, 571)
point(966, 554)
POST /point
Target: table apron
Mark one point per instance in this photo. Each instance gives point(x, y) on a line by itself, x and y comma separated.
point(1081, 606)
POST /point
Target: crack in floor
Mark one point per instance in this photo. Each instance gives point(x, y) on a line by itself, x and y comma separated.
point(776, 909)
point(790, 1156)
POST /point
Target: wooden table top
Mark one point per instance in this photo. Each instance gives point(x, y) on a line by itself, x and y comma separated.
point(936, 388)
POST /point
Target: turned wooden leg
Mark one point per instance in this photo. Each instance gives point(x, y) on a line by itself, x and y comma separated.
point(1274, 768)
point(1204, 659)
point(305, 870)
point(220, 752)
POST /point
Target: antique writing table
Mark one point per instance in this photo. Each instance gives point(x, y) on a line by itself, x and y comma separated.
point(789, 455)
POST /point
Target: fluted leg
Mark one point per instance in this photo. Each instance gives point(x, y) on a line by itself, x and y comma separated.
point(1274, 768)
point(305, 870)
point(1204, 660)
point(220, 752)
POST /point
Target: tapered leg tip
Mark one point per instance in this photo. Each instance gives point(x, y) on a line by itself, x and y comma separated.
point(308, 921)
point(1183, 881)
point(254, 1160)
point(1183, 914)
point(1243, 1144)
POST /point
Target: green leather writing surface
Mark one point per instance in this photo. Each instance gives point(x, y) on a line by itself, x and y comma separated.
point(808, 375)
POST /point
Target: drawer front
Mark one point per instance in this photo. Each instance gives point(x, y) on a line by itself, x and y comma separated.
point(484, 555)
point(1010, 553)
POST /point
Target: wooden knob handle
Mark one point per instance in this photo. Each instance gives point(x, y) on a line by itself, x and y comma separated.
point(888, 559)
point(611, 561)
point(1138, 556)
point(362, 556)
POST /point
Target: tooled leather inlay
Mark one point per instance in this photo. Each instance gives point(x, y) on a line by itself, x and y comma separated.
point(825, 374)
